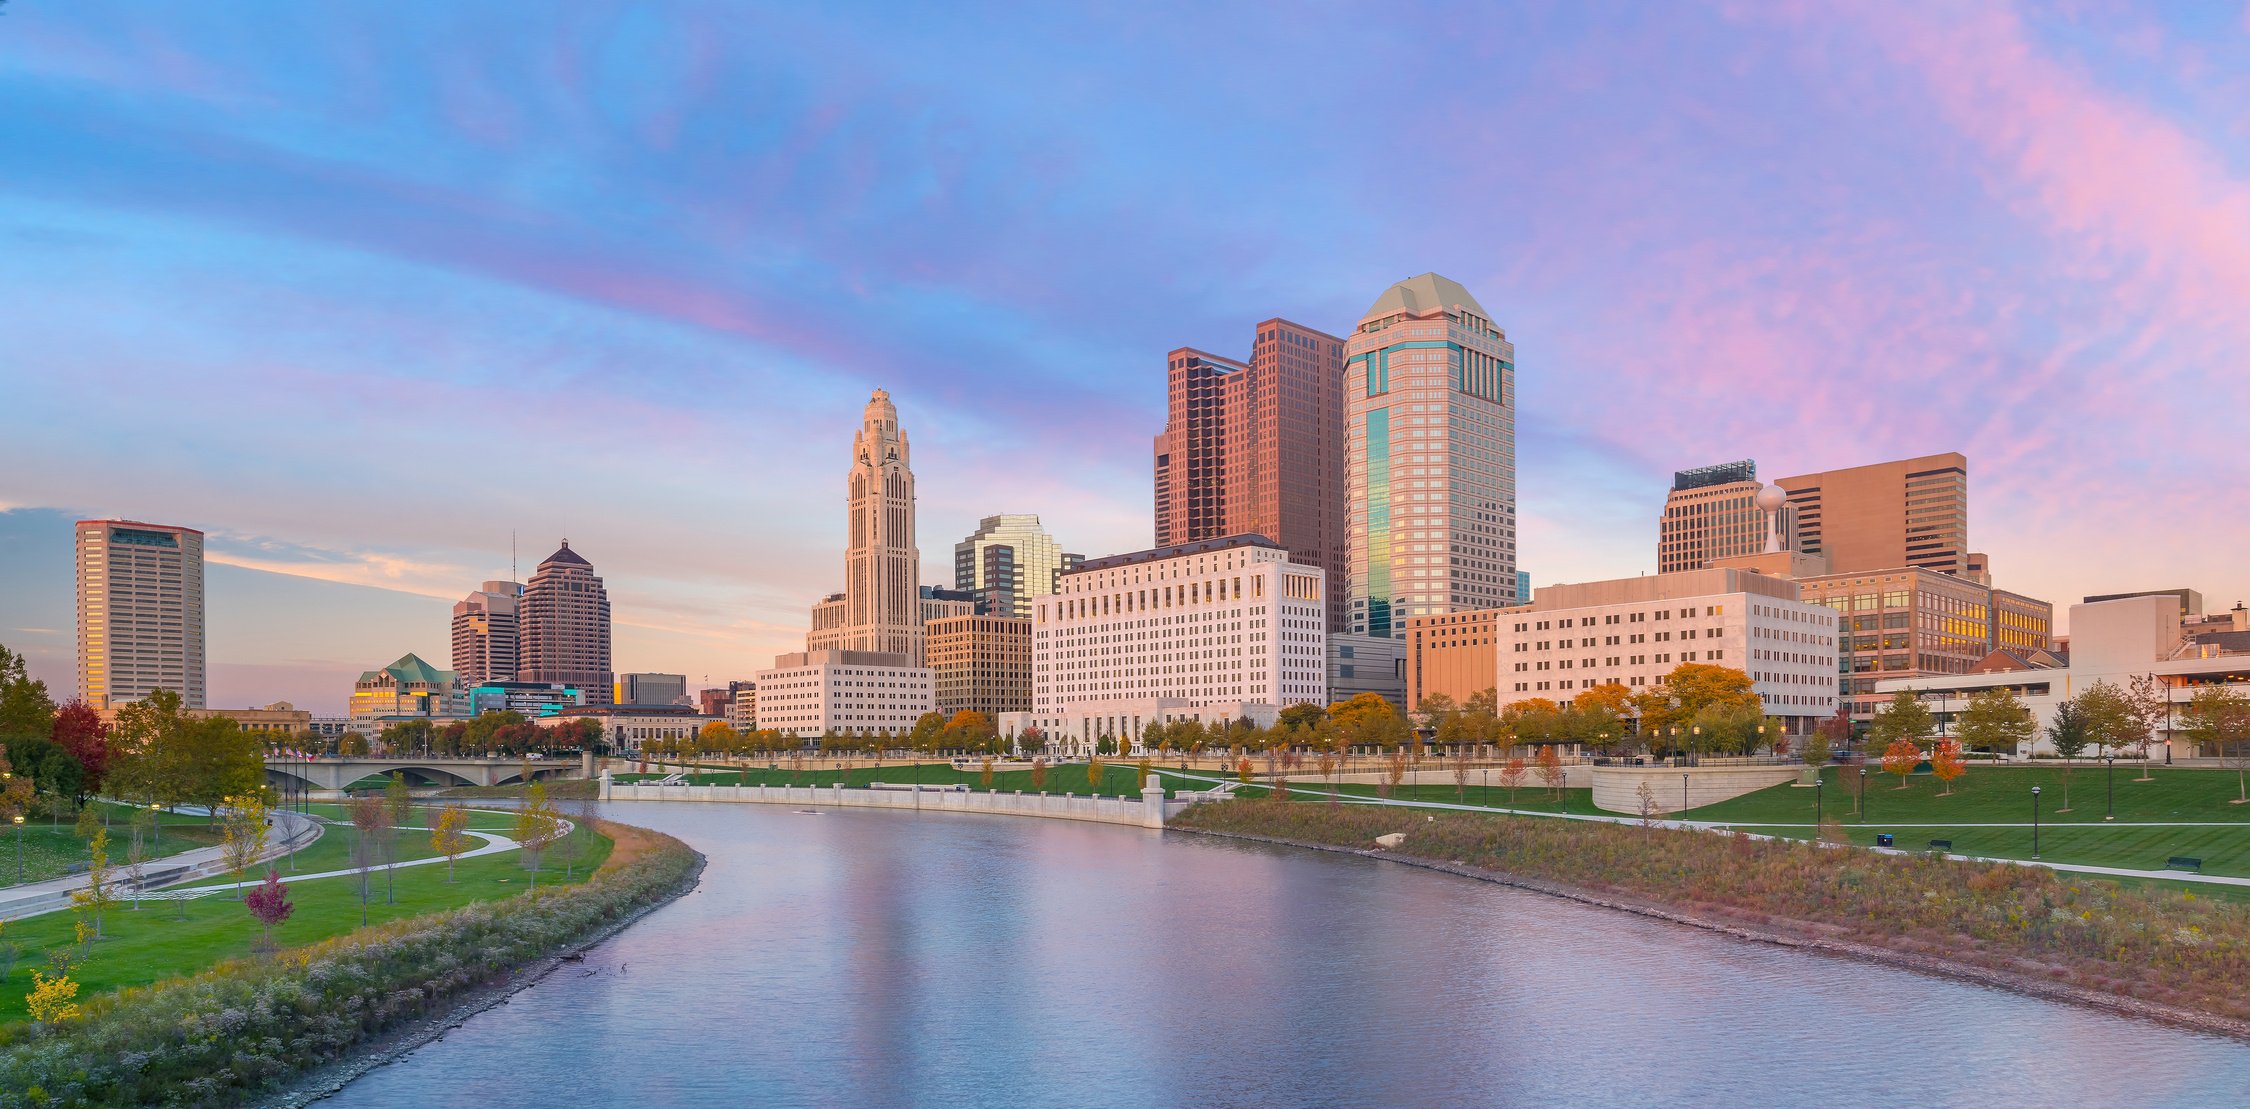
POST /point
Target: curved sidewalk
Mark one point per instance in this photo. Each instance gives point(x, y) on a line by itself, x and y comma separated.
point(38, 898)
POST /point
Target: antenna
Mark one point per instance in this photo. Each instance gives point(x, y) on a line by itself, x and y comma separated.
point(511, 554)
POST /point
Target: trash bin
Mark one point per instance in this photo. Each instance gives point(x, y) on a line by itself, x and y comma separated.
point(1882, 839)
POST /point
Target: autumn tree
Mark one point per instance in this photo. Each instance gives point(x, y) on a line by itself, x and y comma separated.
point(535, 829)
point(1094, 774)
point(242, 831)
point(1820, 744)
point(369, 815)
point(2218, 719)
point(449, 835)
point(2111, 723)
point(1946, 762)
point(1689, 689)
point(1394, 771)
point(1551, 770)
point(269, 905)
point(1900, 758)
point(1904, 718)
point(398, 810)
point(2148, 701)
point(1460, 764)
point(1369, 720)
point(100, 892)
point(1039, 773)
point(1511, 777)
point(82, 734)
point(1435, 710)
point(1995, 720)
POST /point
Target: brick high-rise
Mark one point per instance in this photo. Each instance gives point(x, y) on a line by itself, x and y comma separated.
point(563, 627)
point(485, 635)
point(1257, 448)
point(1912, 512)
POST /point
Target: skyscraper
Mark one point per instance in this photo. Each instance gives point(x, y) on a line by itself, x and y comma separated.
point(1711, 512)
point(485, 633)
point(1256, 448)
point(564, 627)
point(1430, 392)
point(880, 608)
point(1913, 512)
point(1008, 559)
point(140, 612)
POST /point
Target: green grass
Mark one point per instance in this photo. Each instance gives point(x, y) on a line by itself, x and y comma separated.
point(2002, 795)
point(1526, 798)
point(50, 851)
point(153, 943)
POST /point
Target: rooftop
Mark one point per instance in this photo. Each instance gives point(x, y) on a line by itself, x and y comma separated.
point(1157, 554)
point(1422, 296)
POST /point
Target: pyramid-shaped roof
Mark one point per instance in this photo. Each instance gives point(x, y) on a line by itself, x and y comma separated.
point(564, 554)
point(410, 669)
point(1423, 295)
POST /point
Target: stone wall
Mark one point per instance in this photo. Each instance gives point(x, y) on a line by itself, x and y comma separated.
point(1618, 788)
point(1148, 812)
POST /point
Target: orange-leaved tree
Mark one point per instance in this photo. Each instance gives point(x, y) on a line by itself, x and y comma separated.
point(1550, 769)
point(1946, 762)
point(1511, 777)
point(1900, 758)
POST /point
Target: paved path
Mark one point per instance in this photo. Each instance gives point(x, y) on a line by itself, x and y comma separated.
point(494, 843)
point(36, 898)
point(1721, 825)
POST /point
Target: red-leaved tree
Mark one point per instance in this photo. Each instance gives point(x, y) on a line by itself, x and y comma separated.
point(270, 904)
point(84, 736)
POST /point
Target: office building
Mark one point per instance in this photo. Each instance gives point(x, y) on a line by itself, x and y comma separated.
point(1910, 623)
point(1634, 631)
point(529, 698)
point(939, 604)
point(1523, 587)
point(485, 633)
point(1452, 653)
point(1367, 664)
point(1008, 560)
point(140, 612)
point(280, 717)
point(1913, 512)
point(1429, 390)
point(2114, 641)
point(879, 609)
point(718, 700)
point(651, 689)
point(563, 628)
point(742, 709)
point(1256, 448)
point(811, 693)
point(629, 727)
point(409, 689)
point(980, 663)
point(1712, 512)
point(1223, 623)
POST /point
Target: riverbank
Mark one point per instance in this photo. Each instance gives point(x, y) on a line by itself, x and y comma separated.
point(311, 1018)
point(2157, 955)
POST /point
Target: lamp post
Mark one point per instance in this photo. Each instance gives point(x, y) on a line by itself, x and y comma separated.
point(2035, 822)
point(1863, 795)
point(156, 821)
point(2112, 761)
point(1683, 793)
point(1695, 743)
point(19, 848)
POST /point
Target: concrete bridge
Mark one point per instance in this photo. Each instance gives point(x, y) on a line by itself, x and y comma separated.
point(336, 773)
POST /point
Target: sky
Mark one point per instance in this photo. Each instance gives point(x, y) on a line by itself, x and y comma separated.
point(365, 290)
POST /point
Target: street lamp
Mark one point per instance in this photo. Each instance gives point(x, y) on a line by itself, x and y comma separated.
point(156, 820)
point(2112, 761)
point(2035, 822)
point(1695, 742)
point(1863, 795)
point(1683, 793)
point(19, 848)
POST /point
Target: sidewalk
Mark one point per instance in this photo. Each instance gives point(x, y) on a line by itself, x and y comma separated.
point(17, 902)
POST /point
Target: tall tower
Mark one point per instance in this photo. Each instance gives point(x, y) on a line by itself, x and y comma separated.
point(1713, 512)
point(485, 633)
point(1430, 395)
point(140, 612)
point(882, 567)
point(564, 627)
point(1912, 512)
point(1257, 447)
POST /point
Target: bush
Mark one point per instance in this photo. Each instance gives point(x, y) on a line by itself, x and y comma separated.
point(245, 1026)
point(2162, 945)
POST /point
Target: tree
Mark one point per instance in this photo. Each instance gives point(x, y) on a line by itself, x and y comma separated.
point(1368, 720)
point(1039, 773)
point(25, 708)
point(968, 730)
point(588, 818)
point(398, 806)
point(352, 746)
point(536, 827)
point(1394, 771)
point(448, 835)
point(408, 736)
point(1819, 745)
point(369, 815)
point(1511, 777)
point(2111, 724)
point(1094, 774)
point(1301, 716)
point(1995, 720)
point(1551, 770)
point(929, 728)
point(1690, 688)
point(1946, 762)
point(1460, 765)
point(242, 831)
point(17, 791)
point(1031, 741)
point(2218, 718)
point(1435, 710)
point(1907, 718)
point(52, 1000)
point(98, 894)
point(82, 734)
point(2148, 702)
point(269, 904)
point(1900, 758)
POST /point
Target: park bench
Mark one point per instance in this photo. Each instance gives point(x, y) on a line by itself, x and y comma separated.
point(1941, 845)
point(2184, 862)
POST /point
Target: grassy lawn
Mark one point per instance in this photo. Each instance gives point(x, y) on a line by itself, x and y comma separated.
point(154, 943)
point(49, 851)
point(333, 850)
point(2002, 795)
point(1526, 798)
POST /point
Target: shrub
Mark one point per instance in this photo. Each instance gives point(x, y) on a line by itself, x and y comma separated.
point(243, 1026)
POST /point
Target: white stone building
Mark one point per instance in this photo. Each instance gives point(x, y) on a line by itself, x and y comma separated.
point(1632, 631)
point(1223, 625)
point(860, 692)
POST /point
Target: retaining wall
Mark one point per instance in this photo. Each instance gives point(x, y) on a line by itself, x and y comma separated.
point(1618, 788)
point(1148, 812)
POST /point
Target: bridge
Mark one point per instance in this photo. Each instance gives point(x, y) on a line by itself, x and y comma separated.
point(336, 773)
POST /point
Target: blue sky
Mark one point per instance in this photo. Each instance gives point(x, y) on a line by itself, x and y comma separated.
point(360, 289)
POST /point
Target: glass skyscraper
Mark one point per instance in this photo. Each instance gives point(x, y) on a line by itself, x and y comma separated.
point(1008, 559)
point(1430, 397)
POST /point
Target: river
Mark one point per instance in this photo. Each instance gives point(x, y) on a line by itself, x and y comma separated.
point(883, 959)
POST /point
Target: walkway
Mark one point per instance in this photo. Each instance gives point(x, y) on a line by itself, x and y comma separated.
point(36, 898)
point(494, 843)
point(1726, 825)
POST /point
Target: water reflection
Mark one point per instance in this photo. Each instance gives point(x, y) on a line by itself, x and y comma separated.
point(881, 959)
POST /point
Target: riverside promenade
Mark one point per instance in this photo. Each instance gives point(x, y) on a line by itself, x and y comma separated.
point(1149, 811)
point(292, 831)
